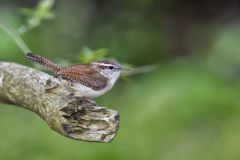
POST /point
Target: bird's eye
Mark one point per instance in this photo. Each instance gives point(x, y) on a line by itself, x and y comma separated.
point(110, 67)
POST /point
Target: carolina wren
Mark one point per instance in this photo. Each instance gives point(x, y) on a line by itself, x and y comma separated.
point(84, 80)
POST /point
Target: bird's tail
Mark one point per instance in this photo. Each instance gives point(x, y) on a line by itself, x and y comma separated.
point(43, 61)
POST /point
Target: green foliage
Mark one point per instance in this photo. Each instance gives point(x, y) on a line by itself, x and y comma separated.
point(224, 58)
point(15, 36)
point(186, 108)
point(35, 16)
point(87, 55)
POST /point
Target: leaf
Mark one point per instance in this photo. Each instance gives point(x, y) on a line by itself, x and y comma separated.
point(87, 55)
point(27, 11)
point(35, 16)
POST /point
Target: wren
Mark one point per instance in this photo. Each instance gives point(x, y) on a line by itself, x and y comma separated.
point(87, 80)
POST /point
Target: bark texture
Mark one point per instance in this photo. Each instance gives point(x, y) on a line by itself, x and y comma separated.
point(43, 94)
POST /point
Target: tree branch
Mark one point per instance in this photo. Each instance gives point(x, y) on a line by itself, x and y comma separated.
point(71, 117)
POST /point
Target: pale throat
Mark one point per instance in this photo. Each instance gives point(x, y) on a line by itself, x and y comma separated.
point(114, 78)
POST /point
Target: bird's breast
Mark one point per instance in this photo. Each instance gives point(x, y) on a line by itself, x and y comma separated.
point(84, 91)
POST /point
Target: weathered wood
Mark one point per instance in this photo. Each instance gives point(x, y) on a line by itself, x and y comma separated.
point(43, 94)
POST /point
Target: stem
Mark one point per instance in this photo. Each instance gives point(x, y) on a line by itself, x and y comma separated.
point(15, 36)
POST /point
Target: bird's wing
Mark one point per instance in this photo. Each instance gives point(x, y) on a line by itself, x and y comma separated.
point(84, 75)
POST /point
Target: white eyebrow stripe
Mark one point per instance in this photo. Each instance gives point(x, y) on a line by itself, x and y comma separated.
point(103, 64)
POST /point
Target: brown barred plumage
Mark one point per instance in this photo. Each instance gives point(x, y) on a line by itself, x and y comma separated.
point(79, 73)
point(85, 75)
point(44, 62)
point(84, 80)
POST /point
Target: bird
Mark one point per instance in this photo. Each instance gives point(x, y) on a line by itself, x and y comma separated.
point(87, 80)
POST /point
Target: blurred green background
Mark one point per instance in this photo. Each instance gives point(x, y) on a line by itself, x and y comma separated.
point(186, 109)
